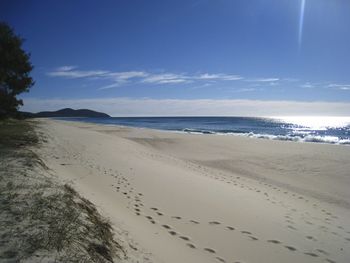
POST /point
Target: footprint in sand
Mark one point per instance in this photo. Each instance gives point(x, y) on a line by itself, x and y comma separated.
point(290, 248)
point(210, 250)
point(253, 238)
point(311, 238)
point(323, 227)
point(191, 245)
point(214, 223)
point(176, 217)
point(246, 232)
point(291, 227)
point(322, 251)
point(160, 214)
point(194, 222)
point(220, 259)
point(274, 241)
point(311, 254)
point(185, 238)
point(173, 233)
point(166, 226)
point(154, 208)
point(230, 228)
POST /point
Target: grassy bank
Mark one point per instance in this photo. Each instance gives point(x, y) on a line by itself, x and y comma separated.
point(41, 219)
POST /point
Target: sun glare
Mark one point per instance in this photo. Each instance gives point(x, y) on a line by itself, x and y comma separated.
point(317, 122)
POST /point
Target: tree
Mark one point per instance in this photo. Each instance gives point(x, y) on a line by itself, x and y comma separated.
point(15, 67)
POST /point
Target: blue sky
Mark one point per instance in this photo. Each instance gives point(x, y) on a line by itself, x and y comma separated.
point(186, 52)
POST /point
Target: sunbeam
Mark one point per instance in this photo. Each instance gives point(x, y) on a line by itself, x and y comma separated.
point(301, 22)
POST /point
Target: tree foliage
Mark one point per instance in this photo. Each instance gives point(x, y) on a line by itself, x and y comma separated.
point(15, 67)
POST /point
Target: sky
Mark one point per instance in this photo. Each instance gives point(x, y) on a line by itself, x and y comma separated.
point(187, 57)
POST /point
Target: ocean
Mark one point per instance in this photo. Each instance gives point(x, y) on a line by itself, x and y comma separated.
point(333, 130)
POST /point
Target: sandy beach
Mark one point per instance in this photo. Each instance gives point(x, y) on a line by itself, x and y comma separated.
point(209, 198)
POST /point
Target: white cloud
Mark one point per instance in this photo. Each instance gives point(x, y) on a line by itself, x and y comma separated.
point(207, 76)
point(137, 76)
point(307, 85)
point(127, 75)
point(197, 107)
point(267, 80)
point(182, 78)
point(66, 68)
point(114, 85)
point(264, 80)
point(118, 79)
point(246, 90)
point(339, 86)
point(73, 74)
point(166, 78)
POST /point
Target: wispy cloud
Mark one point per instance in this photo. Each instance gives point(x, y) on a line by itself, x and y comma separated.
point(69, 72)
point(120, 78)
point(339, 86)
point(110, 86)
point(66, 68)
point(166, 78)
point(188, 78)
point(320, 85)
point(115, 79)
point(307, 85)
point(72, 72)
point(264, 80)
point(246, 90)
point(79, 74)
point(208, 76)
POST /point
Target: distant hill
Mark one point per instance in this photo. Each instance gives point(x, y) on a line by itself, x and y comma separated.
point(67, 112)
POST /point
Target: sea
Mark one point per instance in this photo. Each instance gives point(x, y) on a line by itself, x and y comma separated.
point(320, 129)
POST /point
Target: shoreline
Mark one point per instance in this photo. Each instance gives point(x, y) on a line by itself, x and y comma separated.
point(198, 198)
point(288, 138)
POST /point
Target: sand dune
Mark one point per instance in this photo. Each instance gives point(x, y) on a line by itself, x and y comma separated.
point(208, 198)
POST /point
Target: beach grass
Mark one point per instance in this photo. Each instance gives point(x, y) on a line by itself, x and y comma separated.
point(40, 218)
